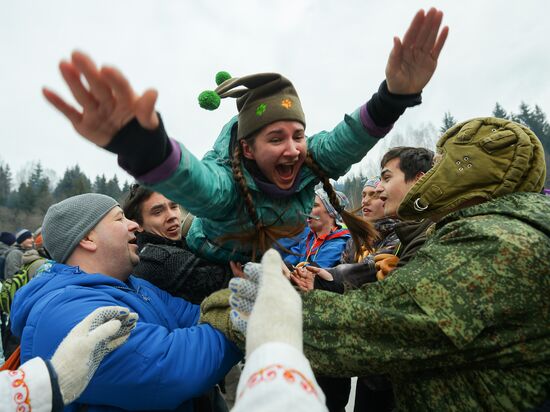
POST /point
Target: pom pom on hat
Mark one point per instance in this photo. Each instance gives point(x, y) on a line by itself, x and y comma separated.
point(222, 77)
point(262, 99)
point(209, 99)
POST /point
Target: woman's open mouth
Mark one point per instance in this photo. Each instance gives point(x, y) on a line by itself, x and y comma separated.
point(285, 171)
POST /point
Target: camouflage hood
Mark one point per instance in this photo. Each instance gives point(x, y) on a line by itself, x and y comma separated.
point(481, 158)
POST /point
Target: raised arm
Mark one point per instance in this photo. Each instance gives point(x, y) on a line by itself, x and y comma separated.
point(410, 66)
point(107, 102)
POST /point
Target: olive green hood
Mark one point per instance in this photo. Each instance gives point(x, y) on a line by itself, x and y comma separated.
point(480, 158)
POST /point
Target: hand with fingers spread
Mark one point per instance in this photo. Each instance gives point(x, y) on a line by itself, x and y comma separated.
point(80, 353)
point(413, 60)
point(107, 103)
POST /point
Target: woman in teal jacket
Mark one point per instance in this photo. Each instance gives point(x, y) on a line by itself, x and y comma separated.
point(253, 187)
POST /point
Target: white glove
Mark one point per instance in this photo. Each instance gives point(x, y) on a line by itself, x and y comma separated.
point(79, 354)
point(277, 312)
point(243, 295)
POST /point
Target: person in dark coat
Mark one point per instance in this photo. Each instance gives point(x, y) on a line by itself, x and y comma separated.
point(165, 259)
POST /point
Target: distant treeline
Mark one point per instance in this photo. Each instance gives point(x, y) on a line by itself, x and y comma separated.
point(25, 206)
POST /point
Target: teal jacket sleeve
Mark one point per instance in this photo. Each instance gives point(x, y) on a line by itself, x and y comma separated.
point(206, 187)
point(337, 150)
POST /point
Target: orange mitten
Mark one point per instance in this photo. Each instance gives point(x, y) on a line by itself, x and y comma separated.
point(385, 263)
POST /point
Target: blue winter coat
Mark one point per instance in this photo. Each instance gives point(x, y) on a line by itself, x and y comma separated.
point(325, 253)
point(207, 189)
point(167, 360)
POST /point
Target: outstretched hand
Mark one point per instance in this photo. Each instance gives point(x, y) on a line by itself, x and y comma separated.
point(412, 62)
point(107, 102)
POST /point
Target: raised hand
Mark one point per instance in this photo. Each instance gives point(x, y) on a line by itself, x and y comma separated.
point(107, 103)
point(412, 62)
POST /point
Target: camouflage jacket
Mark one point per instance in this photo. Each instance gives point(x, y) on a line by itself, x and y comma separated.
point(464, 326)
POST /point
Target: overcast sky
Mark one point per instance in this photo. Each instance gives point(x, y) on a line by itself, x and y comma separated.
point(333, 51)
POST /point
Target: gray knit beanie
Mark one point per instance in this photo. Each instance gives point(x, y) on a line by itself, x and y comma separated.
point(66, 223)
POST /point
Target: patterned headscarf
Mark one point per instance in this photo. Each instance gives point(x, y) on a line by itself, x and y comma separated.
point(372, 182)
point(344, 202)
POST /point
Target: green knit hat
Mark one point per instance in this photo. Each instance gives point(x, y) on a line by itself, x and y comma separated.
point(265, 98)
point(481, 158)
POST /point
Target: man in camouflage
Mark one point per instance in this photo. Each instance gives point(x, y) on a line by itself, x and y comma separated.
point(465, 325)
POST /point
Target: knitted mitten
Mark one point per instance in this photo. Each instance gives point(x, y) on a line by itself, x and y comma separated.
point(80, 353)
point(215, 311)
point(277, 312)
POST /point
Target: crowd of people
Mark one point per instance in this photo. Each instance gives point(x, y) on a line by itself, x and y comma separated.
point(434, 293)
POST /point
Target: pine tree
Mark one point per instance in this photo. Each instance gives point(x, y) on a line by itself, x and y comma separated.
point(535, 119)
point(113, 188)
point(100, 184)
point(39, 184)
point(73, 182)
point(126, 187)
point(499, 111)
point(448, 122)
point(24, 199)
point(5, 184)
point(34, 194)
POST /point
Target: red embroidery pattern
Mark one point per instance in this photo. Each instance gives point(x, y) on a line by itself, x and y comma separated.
point(21, 396)
point(272, 372)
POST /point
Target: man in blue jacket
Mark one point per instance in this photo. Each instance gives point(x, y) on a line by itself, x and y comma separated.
point(167, 361)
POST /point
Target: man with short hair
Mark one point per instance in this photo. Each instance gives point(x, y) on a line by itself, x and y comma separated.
point(401, 168)
point(168, 359)
point(165, 259)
